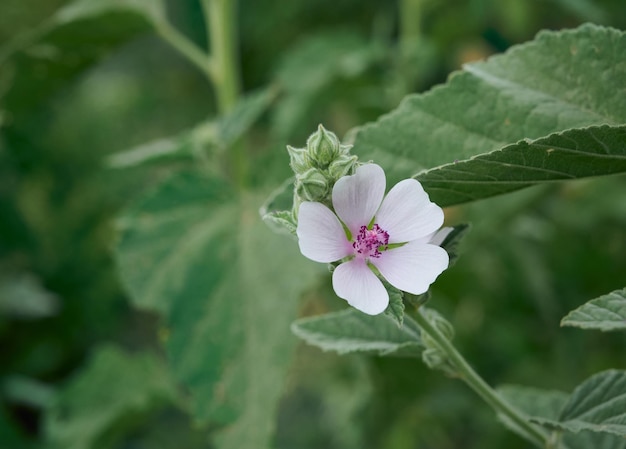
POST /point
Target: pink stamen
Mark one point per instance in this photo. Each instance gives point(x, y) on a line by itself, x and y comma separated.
point(369, 242)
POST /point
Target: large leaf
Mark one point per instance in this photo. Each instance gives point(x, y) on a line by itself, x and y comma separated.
point(561, 80)
point(228, 288)
point(597, 405)
point(112, 390)
point(547, 404)
point(606, 313)
point(45, 58)
point(353, 331)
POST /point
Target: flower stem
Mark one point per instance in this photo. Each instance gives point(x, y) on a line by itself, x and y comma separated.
point(537, 435)
point(220, 20)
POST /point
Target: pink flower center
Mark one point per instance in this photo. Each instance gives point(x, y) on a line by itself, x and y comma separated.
point(369, 242)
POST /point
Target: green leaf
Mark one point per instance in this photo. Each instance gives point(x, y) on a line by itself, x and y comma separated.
point(395, 309)
point(606, 313)
point(218, 134)
point(559, 81)
point(572, 154)
point(228, 288)
point(547, 404)
point(42, 60)
point(99, 402)
point(596, 405)
point(353, 331)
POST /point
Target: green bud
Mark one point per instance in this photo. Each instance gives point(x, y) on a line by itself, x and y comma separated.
point(324, 147)
point(312, 185)
point(344, 165)
point(299, 161)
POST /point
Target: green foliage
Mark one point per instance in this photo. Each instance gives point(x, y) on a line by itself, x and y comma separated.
point(547, 404)
point(42, 60)
point(110, 392)
point(596, 405)
point(606, 313)
point(353, 331)
point(537, 89)
point(202, 257)
point(91, 78)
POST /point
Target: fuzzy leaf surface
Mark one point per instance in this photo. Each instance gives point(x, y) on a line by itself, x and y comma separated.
point(353, 331)
point(597, 405)
point(547, 404)
point(606, 313)
point(197, 252)
point(533, 114)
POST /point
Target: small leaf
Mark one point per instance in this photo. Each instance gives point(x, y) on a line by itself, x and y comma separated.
point(395, 309)
point(606, 313)
point(353, 331)
point(596, 405)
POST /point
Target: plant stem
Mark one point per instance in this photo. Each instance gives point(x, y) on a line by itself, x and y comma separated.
point(188, 49)
point(476, 383)
point(410, 21)
point(220, 20)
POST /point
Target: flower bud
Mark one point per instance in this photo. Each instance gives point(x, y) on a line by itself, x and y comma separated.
point(344, 165)
point(312, 185)
point(299, 161)
point(324, 147)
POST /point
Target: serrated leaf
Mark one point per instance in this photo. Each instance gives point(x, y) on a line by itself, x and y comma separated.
point(113, 387)
point(395, 309)
point(568, 155)
point(559, 81)
point(228, 288)
point(547, 404)
point(353, 331)
point(43, 59)
point(597, 405)
point(606, 313)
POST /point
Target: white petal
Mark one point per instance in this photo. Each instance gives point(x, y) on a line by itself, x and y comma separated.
point(438, 237)
point(356, 198)
point(320, 234)
point(412, 267)
point(407, 213)
point(355, 282)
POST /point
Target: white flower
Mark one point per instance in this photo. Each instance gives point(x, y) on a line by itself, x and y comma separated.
point(394, 234)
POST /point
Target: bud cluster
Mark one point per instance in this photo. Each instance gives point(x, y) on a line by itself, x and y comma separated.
point(318, 166)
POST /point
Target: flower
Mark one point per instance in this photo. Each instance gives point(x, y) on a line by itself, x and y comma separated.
point(393, 236)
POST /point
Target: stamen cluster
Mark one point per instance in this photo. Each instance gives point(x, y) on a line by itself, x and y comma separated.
point(369, 242)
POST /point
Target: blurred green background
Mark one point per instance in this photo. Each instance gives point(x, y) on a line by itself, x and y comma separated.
point(531, 256)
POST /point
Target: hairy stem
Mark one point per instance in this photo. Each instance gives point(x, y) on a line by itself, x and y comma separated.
point(538, 436)
point(221, 23)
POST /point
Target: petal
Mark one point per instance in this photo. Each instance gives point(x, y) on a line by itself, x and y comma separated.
point(407, 213)
point(438, 237)
point(320, 234)
point(355, 282)
point(356, 198)
point(412, 267)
